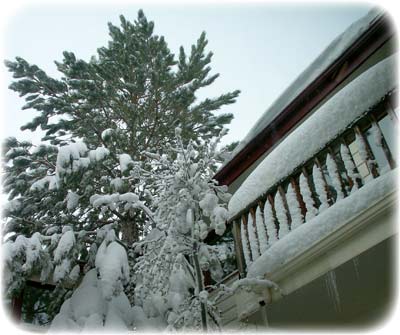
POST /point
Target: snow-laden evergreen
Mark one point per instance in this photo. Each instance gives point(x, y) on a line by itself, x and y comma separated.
point(110, 171)
point(166, 278)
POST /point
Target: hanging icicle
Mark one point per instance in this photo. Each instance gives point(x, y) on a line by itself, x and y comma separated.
point(281, 215)
point(294, 208)
point(335, 177)
point(305, 191)
point(320, 188)
point(262, 233)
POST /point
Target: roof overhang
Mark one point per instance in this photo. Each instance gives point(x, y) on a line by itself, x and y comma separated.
point(352, 58)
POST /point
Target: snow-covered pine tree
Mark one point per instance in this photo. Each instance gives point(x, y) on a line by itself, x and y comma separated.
point(168, 282)
point(101, 119)
point(128, 99)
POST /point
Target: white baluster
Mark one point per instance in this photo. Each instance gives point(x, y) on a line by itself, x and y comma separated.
point(294, 207)
point(255, 252)
point(306, 193)
point(334, 174)
point(320, 188)
point(245, 245)
point(262, 233)
point(281, 215)
point(270, 224)
point(349, 166)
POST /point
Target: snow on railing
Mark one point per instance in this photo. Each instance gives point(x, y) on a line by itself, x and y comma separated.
point(361, 153)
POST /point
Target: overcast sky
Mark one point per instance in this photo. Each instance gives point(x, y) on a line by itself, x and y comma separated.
point(259, 48)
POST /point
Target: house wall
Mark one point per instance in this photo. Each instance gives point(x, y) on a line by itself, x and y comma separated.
point(359, 293)
point(385, 51)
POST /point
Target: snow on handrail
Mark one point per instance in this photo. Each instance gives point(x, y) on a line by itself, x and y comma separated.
point(302, 177)
point(331, 119)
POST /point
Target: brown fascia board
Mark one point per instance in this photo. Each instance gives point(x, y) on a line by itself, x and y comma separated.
point(372, 39)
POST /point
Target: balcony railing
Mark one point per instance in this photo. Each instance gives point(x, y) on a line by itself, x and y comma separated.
point(362, 153)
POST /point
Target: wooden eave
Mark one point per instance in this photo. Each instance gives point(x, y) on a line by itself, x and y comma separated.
point(369, 42)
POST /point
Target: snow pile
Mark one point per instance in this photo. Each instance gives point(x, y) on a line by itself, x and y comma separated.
point(218, 215)
point(112, 265)
point(68, 158)
point(51, 182)
point(32, 252)
point(65, 245)
point(125, 162)
point(87, 310)
point(117, 184)
point(324, 125)
point(98, 154)
point(61, 255)
point(330, 220)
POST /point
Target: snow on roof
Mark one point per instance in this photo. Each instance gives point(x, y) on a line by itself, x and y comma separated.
point(335, 49)
point(331, 119)
point(336, 216)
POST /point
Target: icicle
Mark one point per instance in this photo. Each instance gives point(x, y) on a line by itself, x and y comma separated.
point(294, 207)
point(331, 286)
point(349, 165)
point(305, 191)
point(245, 245)
point(281, 215)
point(262, 234)
point(334, 174)
point(270, 224)
point(320, 188)
point(252, 238)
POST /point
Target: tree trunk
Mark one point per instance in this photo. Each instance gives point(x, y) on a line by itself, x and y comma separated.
point(130, 233)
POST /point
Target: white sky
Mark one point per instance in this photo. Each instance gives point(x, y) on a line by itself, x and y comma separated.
point(258, 48)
